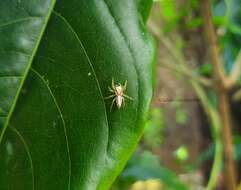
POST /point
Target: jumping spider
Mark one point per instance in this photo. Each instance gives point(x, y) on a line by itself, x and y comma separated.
point(118, 94)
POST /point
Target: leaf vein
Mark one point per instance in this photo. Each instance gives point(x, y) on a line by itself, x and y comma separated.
point(19, 20)
point(62, 118)
point(27, 150)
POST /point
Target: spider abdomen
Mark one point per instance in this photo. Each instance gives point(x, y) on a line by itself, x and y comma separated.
point(119, 101)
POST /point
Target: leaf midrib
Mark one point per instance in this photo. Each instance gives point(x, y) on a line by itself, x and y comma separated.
point(46, 19)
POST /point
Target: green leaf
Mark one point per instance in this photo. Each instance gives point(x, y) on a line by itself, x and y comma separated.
point(144, 8)
point(57, 131)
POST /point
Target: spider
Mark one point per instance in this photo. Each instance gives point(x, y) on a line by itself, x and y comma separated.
point(118, 94)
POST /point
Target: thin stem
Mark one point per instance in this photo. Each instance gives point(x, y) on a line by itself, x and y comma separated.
point(214, 119)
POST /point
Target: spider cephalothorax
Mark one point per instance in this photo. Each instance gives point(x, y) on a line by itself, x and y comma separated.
point(118, 94)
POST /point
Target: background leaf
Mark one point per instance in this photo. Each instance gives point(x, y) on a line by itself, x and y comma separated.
point(139, 168)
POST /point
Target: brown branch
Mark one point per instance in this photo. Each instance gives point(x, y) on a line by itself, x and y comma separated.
point(222, 93)
point(229, 165)
point(218, 70)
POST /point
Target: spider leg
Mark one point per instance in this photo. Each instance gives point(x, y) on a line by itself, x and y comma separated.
point(110, 89)
point(113, 101)
point(109, 97)
point(125, 85)
point(128, 97)
point(113, 84)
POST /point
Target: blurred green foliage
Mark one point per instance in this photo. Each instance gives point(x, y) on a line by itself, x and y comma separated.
point(153, 134)
point(227, 14)
point(205, 69)
point(181, 154)
point(143, 166)
point(181, 116)
point(208, 153)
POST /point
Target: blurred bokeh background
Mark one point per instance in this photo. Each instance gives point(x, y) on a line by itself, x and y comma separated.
point(177, 149)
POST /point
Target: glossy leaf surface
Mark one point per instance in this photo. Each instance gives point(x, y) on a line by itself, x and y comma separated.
point(61, 133)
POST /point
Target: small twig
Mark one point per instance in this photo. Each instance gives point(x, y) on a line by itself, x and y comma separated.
point(154, 29)
point(181, 66)
point(235, 72)
point(188, 73)
point(177, 55)
point(214, 118)
point(237, 96)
